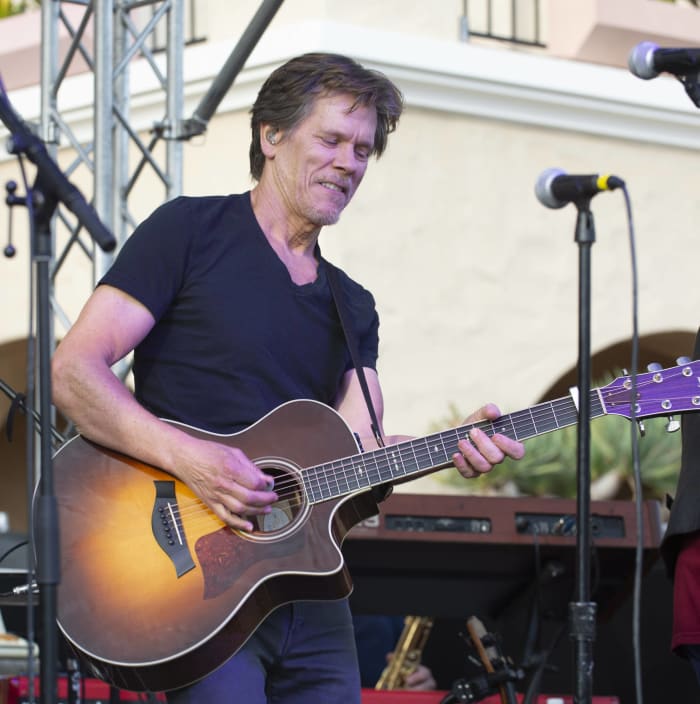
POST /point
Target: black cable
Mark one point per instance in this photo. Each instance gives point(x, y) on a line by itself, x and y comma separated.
point(532, 639)
point(9, 552)
point(639, 547)
point(532, 651)
point(19, 402)
point(533, 689)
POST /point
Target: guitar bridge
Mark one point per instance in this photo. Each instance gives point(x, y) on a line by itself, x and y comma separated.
point(167, 528)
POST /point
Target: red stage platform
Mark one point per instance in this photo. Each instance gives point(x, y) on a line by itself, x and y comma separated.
point(15, 690)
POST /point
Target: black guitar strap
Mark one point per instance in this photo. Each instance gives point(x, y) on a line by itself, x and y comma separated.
point(351, 340)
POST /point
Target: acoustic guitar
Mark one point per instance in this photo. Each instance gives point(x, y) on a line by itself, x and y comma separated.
point(156, 592)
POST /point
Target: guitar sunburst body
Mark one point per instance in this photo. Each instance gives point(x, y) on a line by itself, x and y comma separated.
point(136, 621)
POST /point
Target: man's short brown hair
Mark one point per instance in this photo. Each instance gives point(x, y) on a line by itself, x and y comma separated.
point(289, 94)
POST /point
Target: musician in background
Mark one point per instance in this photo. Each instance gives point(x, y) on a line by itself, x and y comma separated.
point(681, 544)
point(376, 637)
point(226, 303)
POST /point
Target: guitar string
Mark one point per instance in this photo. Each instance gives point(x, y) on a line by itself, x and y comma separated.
point(377, 462)
point(409, 448)
point(291, 493)
point(291, 488)
point(292, 496)
point(286, 489)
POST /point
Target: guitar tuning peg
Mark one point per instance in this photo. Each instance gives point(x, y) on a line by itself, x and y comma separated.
point(642, 429)
point(683, 360)
point(673, 425)
point(654, 367)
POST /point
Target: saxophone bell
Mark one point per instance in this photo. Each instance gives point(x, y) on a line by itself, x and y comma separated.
point(407, 654)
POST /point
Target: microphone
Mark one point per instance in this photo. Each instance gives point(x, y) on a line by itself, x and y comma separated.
point(555, 188)
point(647, 61)
point(54, 179)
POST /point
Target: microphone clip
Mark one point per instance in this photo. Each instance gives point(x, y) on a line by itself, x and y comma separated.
point(691, 84)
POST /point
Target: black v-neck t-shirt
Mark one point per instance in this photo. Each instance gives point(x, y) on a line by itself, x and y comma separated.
point(234, 336)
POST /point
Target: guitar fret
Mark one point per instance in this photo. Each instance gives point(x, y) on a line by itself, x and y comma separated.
point(533, 424)
point(339, 469)
point(344, 476)
point(453, 437)
point(524, 422)
point(420, 451)
point(320, 482)
point(322, 489)
point(394, 466)
point(505, 426)
point(545, 421)
point(388, 465)
point(370, 464)
point(376, 473)
point(380, 466)
point(413, 464)
point(313, 486)
point(371, 467)
point(349, 476)
point(360, 474)
point(328, 490)
point(402, 460)
point(366, 473)
point(336, 491)
point(436, 451)
point(565, 411)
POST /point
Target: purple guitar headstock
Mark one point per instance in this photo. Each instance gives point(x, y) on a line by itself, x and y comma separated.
point(662, 392)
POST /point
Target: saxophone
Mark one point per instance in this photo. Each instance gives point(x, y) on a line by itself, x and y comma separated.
point(407, 654)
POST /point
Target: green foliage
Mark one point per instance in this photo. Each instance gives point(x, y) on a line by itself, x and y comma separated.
point(16, 7)
point(549, 465)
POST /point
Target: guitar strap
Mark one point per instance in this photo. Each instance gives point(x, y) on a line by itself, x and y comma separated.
point(351, 340)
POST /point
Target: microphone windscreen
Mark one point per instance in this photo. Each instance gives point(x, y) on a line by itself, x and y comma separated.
point(641, 60)
point(543, 188)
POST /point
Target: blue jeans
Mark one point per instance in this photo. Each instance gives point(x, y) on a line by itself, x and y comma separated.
point(301, 653)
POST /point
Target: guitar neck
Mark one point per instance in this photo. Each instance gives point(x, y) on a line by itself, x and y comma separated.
point(423, 455)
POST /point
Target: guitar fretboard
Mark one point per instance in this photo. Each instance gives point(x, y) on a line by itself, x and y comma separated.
point(413, 457)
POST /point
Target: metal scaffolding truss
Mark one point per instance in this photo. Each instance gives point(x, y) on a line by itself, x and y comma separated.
point(109, 38)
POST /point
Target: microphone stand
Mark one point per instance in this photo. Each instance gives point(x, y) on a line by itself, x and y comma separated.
point(50, 187)
point(45, 518)
point(582, 612)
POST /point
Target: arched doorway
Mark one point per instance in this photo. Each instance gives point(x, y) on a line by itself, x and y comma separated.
point(661, 347)
point(13, 498)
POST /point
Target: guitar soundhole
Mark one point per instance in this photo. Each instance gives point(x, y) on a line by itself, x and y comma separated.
point(291, 505)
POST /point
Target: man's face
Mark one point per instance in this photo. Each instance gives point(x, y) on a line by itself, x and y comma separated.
point(318, 165)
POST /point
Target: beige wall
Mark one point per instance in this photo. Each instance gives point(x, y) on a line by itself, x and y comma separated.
point(225, 19)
